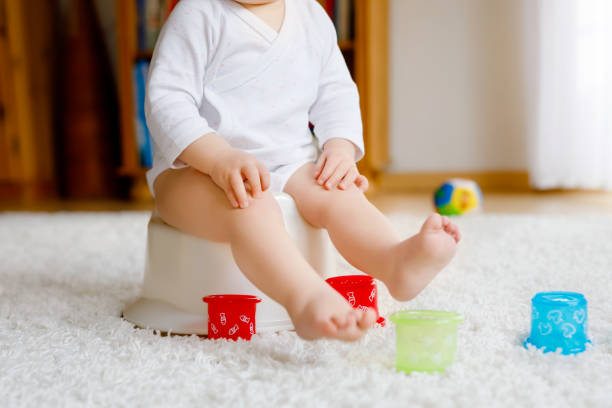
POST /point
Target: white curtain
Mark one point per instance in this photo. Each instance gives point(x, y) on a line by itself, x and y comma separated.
point(569, 73)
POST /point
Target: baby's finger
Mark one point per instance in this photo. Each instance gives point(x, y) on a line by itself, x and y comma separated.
point(328, 170)
point(319, 165)
point(252, 175)
point(264, 176)
point(229, 193)
point(337, 175)
point(239, 190)
point(349, 178)
point(362, 182)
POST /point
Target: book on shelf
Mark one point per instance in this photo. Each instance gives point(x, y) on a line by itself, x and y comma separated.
point(151, 15)
point(143, 136)
point(342, 14)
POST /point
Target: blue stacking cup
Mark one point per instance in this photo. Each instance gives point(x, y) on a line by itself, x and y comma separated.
point(558, 321)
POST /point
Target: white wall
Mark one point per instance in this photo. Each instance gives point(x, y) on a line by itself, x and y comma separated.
point(456, 86)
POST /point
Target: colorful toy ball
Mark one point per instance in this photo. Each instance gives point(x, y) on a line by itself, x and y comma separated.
point(458, 196)
point(558, 322)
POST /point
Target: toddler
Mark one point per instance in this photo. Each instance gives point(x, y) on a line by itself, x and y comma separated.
point(231, 89)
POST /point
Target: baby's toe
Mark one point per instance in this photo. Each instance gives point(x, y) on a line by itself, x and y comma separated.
point(457, 235)
point(367, 319)
point(453, 230)
point(352, 318)
point(327, 327)
point(448, 224)
point(341, 321)
point(432, 223)
point(351, 333)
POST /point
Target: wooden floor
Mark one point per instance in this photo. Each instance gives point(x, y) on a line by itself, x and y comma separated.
point(416, 203)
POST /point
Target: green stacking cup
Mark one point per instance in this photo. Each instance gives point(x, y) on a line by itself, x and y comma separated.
point(426, 340)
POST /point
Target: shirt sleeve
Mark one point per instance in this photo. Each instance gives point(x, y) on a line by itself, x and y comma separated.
point(335, 113)
point(175, 85)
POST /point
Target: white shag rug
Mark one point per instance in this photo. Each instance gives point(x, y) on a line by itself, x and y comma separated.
point(64, 279)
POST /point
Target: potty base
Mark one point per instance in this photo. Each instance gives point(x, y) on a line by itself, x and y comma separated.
point(181, 268)
point(156, 314)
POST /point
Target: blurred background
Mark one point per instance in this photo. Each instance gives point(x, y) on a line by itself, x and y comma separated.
point(514, 94)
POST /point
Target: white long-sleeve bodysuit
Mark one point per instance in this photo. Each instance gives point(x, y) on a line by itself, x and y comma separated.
point(217, 67)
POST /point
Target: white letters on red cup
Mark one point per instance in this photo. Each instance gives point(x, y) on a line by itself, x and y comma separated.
point(372, 295)
point(351, 298)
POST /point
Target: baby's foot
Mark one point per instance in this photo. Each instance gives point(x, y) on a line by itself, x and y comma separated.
point(323, 312)
point(421, 257)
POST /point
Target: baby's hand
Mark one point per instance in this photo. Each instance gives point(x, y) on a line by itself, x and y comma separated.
point(240, 174)
point(336, 166)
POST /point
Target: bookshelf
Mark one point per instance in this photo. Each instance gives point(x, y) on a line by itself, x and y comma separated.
point(366, 53)
point(27, 48)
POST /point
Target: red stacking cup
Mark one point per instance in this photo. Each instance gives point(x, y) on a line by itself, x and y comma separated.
point(231, 316)
point(359, 290)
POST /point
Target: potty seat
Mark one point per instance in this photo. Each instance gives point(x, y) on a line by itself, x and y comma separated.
point(180, 269)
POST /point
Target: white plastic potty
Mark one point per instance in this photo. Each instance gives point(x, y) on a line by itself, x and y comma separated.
point(180, 269)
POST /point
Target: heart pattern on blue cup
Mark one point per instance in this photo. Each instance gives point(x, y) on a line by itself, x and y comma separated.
point(579, 316)
point(568, 330)
point(545, 328)
point(555, 316)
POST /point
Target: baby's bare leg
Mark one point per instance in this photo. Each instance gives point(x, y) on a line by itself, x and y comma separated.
point(366, 239)
point(262, 248)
